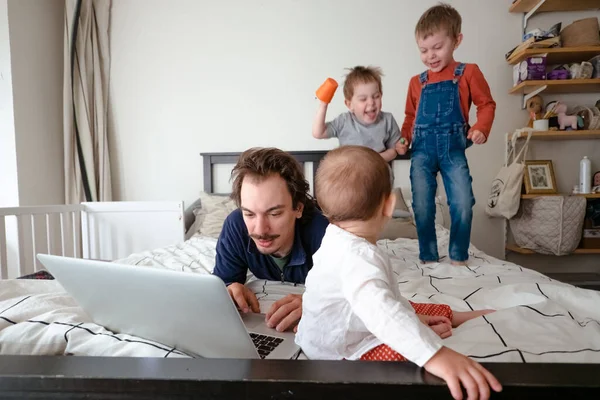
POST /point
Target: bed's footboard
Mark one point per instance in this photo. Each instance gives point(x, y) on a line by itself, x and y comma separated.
point(137, 378)
point(114, 230)
point(26, 231)
point(102, 230)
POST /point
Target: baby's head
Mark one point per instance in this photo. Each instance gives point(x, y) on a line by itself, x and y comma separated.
point(353, 185)
point(362, 93)
point(438, 34)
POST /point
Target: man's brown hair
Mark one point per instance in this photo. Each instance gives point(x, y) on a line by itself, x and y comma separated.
point(360, 74)
point(442, 17)
point(261, 163)
point(351, 183)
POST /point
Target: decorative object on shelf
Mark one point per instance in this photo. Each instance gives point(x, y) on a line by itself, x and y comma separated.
point(531, 69)
point(537, 39)
point(597, 179)
point(539, 35)
point(505, 193)
point(550, 109)
point(585, 176)
point(595, 61)
point(541, 125)
point(591, 226)
point(590, 117)
point(564, 120)
point(539, 177)
point(582, 70)
point(583, 32)
point(558, 74)
point(535, 106)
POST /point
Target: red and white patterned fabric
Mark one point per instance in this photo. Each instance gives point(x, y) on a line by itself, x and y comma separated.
point(384, 352)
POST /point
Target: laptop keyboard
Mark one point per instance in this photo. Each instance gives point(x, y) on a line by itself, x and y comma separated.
point(265, 344)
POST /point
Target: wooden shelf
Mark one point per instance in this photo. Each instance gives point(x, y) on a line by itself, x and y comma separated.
point(587, 196)
point(523, 6)
point(559, 86)
point(520, 250)
point(559, 135)
point(557, 55)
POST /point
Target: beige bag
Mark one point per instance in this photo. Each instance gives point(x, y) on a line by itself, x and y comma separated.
point(505, 194)
point(549, 224)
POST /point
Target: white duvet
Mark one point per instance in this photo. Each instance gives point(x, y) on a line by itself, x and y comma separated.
point(538, 319)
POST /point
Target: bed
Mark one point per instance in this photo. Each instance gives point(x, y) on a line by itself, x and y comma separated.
point(544, 340)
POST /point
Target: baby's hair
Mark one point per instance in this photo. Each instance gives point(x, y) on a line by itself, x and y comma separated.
point(442, 17)
point(352, 183)
point(360, 74)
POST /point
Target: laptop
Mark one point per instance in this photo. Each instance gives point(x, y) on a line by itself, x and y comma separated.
point(191, 312)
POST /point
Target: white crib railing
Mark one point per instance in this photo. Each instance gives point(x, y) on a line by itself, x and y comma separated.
point(99, 230)
point(37, 229)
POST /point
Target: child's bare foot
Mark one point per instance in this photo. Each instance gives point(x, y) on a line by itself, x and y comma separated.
point(459, 263)
point(459, 317)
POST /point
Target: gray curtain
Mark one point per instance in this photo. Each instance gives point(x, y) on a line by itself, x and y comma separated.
point(85, 100)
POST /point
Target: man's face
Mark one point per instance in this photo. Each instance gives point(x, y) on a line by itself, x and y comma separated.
point(269, 214)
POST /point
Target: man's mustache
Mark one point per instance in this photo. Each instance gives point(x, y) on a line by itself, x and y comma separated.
point(264, 237)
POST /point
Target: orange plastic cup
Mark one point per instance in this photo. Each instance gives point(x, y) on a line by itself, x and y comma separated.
point(326, 91)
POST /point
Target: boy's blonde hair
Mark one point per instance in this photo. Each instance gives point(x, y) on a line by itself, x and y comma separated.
point(360, 74)
point(352, 183)
point(439, 18)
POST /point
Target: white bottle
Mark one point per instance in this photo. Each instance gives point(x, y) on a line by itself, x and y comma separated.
point(585, 175)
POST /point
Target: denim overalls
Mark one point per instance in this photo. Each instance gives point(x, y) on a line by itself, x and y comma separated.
point(439, 144)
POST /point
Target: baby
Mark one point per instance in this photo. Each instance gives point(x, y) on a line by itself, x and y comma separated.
point(352, 306)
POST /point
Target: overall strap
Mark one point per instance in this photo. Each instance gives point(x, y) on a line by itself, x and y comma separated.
point(423, 78)
point(458, 71)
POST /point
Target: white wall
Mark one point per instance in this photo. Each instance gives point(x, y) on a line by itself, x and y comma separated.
point(36, 52)
point(197, 76)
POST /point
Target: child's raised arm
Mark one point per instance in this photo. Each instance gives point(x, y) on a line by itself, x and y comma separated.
point(319, 130)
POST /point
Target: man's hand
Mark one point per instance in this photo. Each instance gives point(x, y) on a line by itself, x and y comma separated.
point(476, 136)
point(439, 324)
point(243, 297)
point(285, 313)
point(456, 369)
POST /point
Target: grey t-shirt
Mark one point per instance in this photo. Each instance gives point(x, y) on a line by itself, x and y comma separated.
point(379, 136)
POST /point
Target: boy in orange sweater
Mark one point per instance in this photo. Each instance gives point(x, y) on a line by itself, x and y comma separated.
point(436, 125)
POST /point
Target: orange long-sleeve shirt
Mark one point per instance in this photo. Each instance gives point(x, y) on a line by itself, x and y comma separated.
point(473, 89)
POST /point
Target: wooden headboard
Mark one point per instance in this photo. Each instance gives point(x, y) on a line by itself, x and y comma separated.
point(303, 157)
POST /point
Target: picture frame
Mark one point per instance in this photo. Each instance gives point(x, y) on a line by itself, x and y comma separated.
point(596, 179)
point(539, 177)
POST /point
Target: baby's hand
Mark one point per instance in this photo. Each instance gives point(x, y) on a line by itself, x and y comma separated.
point(456, 369)
point(402, 146)
point(476, 136)
point(439, 324)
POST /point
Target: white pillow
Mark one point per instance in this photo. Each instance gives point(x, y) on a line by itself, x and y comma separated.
point(442, 212)
point(211, 215)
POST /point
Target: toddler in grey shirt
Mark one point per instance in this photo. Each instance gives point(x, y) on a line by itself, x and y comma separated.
point(364, 124)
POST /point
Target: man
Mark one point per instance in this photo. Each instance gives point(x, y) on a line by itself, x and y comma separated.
point(274, 232)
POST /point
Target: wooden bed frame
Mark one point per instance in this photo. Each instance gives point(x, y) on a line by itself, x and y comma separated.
point(65, 377)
